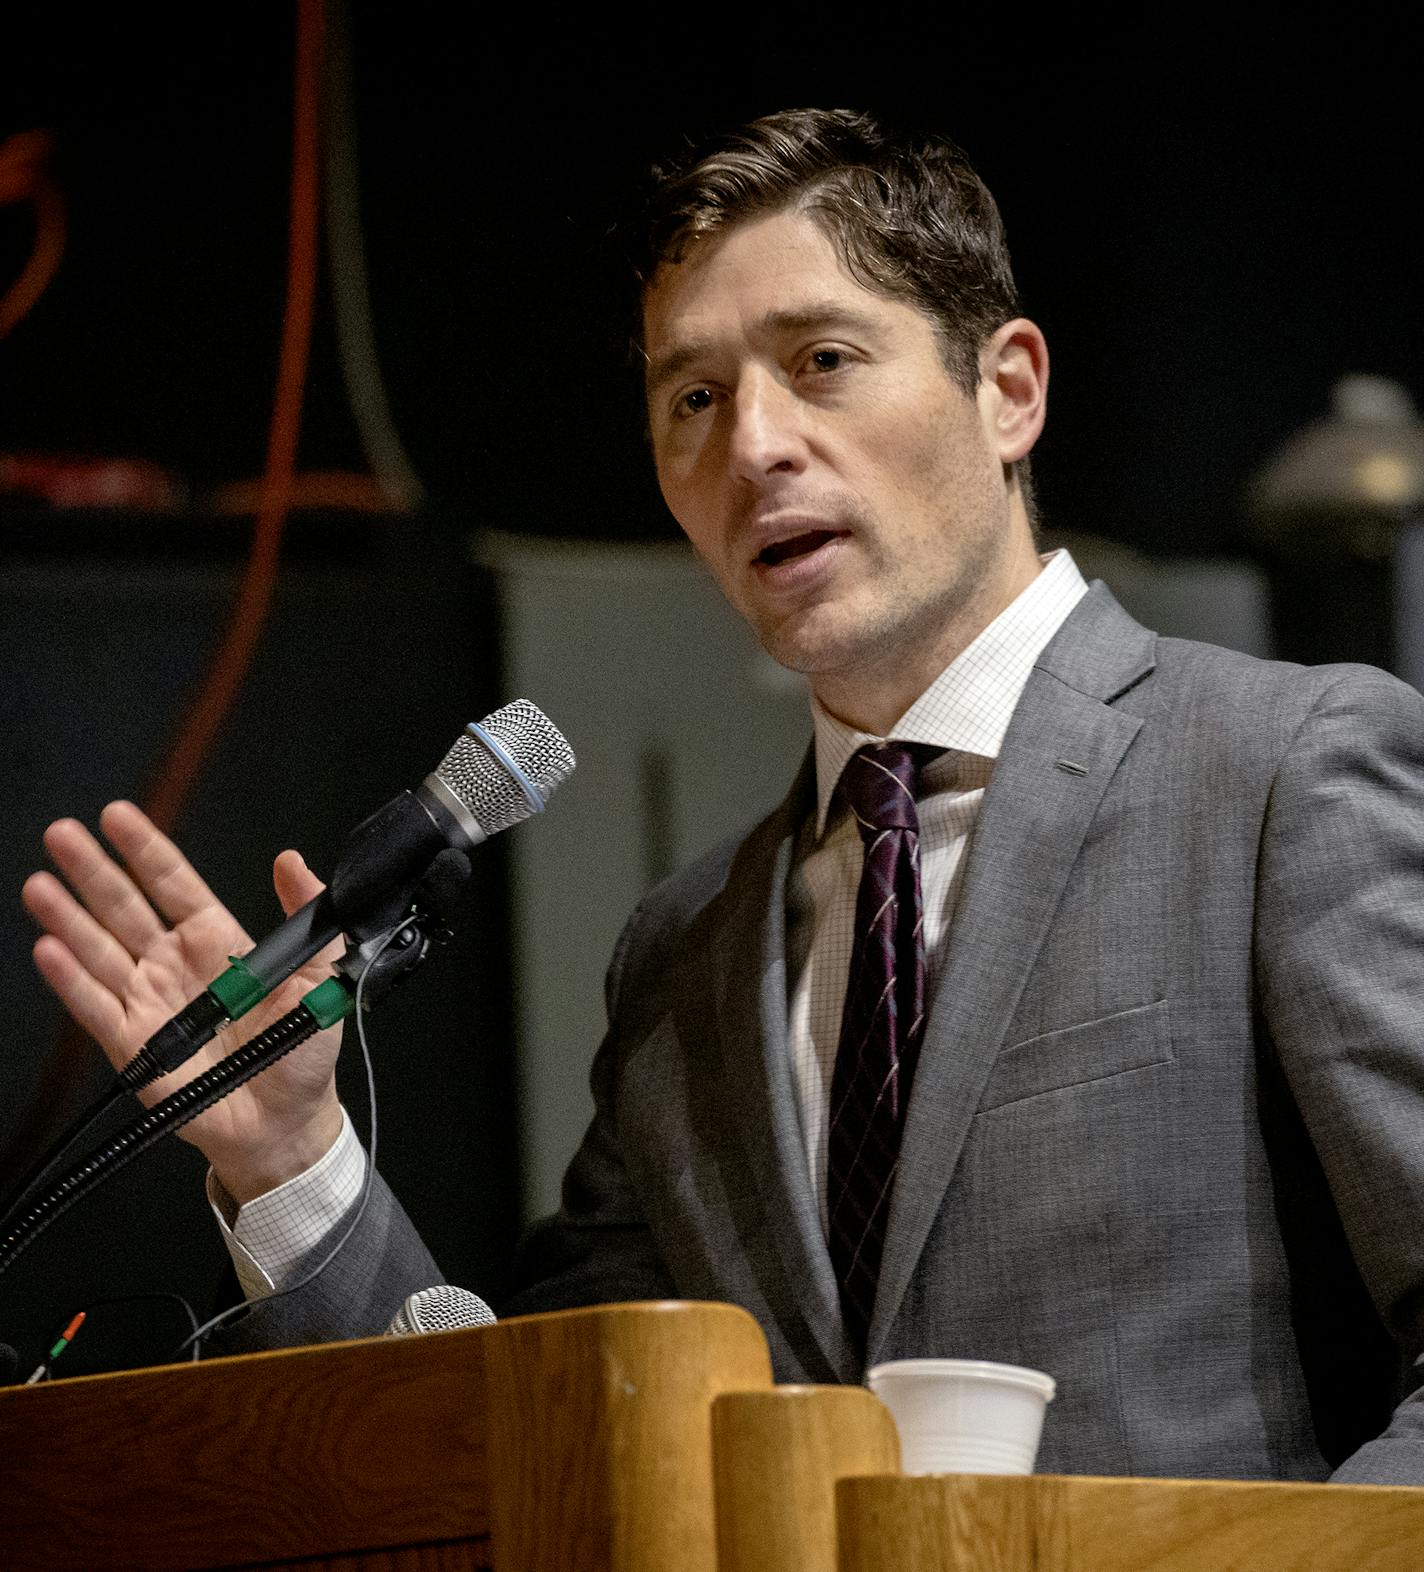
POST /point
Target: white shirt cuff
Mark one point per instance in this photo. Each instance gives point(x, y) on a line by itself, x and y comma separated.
point(271, 1233)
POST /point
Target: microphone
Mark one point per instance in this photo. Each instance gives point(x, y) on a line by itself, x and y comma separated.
point(499, 772)
point(441, 1309)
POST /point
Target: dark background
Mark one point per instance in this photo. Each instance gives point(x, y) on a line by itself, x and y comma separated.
point(1210, 231)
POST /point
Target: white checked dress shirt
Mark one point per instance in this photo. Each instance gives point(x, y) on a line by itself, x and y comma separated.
point(966, 712)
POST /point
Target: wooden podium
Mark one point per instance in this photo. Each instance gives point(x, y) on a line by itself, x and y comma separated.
point(631, 1438)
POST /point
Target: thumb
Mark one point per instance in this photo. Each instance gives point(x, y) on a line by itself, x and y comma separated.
point(294, 882)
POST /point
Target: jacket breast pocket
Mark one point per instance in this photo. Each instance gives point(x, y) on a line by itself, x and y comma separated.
point(1111, 1045)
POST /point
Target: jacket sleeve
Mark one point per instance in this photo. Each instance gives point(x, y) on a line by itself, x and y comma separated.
point(1340, 977)
point(360, 1289)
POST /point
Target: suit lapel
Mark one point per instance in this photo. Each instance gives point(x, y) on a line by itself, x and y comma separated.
point(749, 972)
point(1031, 826)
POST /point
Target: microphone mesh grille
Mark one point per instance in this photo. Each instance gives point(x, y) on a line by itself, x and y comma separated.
point(481, 780)
point(442, 1309)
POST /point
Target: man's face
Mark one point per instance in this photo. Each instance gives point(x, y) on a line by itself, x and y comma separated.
point(848, 495)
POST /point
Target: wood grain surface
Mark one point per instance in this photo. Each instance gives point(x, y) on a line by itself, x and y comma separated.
point(251, 1459)
point(600, 1435)
point(978, 1523)
point(776, 1458)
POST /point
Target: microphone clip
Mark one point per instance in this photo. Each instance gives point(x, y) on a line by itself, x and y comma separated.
point(374, 960)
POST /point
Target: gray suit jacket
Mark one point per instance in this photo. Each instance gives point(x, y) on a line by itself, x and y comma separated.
point(1166, 1138)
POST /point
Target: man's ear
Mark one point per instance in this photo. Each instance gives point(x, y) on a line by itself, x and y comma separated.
point(1013, 388)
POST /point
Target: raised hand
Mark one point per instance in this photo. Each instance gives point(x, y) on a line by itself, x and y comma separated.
point(128, 942)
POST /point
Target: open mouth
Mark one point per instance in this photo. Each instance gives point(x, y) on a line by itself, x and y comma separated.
point(796, 546)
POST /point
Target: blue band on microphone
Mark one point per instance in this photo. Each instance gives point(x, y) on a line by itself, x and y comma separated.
point(531, 792)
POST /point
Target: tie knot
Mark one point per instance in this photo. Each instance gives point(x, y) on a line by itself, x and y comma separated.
point(879, 784)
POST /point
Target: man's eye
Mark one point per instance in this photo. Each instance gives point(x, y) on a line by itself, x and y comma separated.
point(827, 359)
point(695, 402)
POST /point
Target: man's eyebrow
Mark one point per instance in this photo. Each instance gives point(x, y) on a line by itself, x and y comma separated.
point(819, 316)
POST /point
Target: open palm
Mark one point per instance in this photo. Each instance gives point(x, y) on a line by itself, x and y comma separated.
point(127, 943)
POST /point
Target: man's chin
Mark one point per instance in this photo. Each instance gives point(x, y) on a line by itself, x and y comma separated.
point(806, 645)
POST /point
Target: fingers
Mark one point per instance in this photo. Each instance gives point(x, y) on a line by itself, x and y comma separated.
point(102, 885)
point(162, 872)
point(90, 1003)
point(113, 922)
point(86, 941)
point(294, 882)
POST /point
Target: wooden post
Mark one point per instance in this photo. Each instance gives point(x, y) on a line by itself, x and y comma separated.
point(600, 1438)
point(776, 1458)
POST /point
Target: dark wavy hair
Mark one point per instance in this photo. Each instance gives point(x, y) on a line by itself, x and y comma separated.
point(911, 217)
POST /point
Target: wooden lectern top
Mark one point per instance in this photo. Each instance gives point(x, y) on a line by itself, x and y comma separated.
point(387, 1452)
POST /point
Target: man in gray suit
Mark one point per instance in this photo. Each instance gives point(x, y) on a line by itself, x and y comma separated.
point(1165, 1137)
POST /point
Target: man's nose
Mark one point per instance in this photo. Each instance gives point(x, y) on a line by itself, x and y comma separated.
point(767, 436)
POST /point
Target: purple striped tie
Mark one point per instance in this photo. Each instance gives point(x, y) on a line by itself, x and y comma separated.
point(881, 1025)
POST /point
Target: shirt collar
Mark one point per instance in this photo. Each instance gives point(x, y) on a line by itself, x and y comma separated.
point(967, 708)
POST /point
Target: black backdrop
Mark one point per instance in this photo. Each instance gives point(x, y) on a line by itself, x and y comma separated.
point(1210, 232)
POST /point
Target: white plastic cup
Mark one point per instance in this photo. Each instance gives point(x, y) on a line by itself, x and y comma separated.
point(964, 1416)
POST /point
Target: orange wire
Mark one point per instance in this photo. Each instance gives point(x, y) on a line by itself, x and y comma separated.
point(312, 489)
point(23, 177)
point(254, 600)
